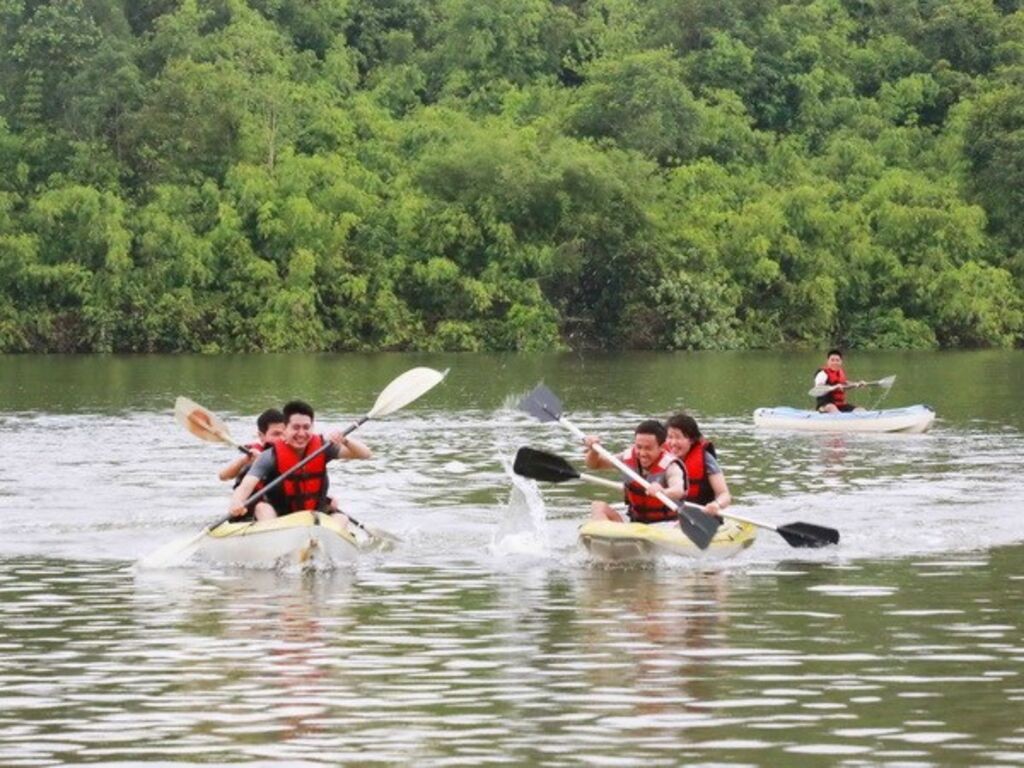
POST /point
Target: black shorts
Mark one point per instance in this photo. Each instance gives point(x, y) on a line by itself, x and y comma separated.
point(846, 407)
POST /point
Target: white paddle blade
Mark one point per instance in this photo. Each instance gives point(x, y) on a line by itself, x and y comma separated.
point(403, 390)
point(200, 422)
point(887, 382)
point(173, 553)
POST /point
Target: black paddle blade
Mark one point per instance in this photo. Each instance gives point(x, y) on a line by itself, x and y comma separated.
point(700, 527)
point(540, 465)
point(808, 535)
point(542, 404)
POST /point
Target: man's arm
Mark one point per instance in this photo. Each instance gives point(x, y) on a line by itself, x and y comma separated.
point(264, 467)
point(675, 484)
point(244, 490)
point(593, 459)
point(232, 470)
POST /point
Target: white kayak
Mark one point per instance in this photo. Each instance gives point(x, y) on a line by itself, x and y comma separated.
point(912, 419)
point(636, 542)
point(305, 539)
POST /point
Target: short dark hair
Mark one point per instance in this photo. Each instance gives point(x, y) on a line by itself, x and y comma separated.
point(268, 417)
point(686, 424)
point(652, 427)
point(297, 406)
point(834, 351)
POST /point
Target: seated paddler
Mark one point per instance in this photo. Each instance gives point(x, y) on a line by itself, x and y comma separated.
point(650, 458)
point(305, 489)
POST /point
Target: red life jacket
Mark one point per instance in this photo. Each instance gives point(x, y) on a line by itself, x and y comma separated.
point(305, 489)
point(698, 489)
point(641, 507)
point(836, 396)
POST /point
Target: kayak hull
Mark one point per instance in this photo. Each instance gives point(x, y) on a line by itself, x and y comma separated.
point(910, 420)
point(609, 541)
point(303, 539)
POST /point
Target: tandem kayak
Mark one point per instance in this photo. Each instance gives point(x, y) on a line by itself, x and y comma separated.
point(635, 542)
point(912, 419)
point(306, 539)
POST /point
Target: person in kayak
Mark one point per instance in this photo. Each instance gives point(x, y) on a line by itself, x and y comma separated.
point(269, 427)
point(305, 489)
point(833, 375)
point(649, 458)
point(705, 480)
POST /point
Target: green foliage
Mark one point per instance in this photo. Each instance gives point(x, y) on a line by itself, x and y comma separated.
point(221, 176)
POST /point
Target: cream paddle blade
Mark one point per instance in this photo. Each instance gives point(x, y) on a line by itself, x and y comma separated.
point(201, 422)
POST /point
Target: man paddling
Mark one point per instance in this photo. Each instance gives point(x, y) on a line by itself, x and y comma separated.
point(649, 458)
point(269, 427)
point(302, 490)
point(833, 375)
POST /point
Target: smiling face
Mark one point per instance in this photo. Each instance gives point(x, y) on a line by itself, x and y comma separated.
point(275, 431)
point(298, 431)
point(678, 442)
point(648, 449)
point(834, 362)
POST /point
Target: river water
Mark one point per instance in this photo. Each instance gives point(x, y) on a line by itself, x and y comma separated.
point(487, 637)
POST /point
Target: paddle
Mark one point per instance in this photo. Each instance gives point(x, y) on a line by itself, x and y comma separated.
point(205, 425)
point(400, 392)
point(824, 389)
point(539, 465)
point(699, 526)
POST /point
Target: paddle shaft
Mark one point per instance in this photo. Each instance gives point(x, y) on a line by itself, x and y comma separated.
point(689, 504)
point(281, 478)
point(824, 389)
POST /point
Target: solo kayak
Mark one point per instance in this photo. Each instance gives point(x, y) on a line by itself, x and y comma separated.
point(912, 419)
point(635, 542)
point(307, 539)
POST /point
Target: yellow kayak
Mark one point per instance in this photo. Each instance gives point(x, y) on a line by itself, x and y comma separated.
point(308, 539)
point(635, 542)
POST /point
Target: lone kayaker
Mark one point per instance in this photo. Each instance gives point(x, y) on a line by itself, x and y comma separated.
point(305, 489)
point(833, 375)
point(705, 480)
point(649, 458)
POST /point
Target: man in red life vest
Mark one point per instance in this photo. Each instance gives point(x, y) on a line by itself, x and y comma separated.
point(649, 458)
point(705, 480)
point(302, 490)
point(269, 427)
point(834, 376)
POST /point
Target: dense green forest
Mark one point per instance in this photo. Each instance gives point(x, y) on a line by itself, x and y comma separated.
point(235, 175)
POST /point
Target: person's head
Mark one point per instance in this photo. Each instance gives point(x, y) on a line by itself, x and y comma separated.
point(834, 359)
point(270, 425)
point(683, 432)
point(298, 423)
point(648, 439)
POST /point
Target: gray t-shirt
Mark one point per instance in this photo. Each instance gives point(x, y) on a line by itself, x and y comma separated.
point(711, 466)
point(265, 466)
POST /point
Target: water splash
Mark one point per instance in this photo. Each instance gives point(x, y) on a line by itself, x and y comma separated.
point(522, 529)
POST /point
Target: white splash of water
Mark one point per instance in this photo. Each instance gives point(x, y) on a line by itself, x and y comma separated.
point(523, 528)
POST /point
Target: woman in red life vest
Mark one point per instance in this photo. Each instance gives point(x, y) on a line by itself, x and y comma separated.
point(705, 480)
point(649, 458)
point(833, 375)
point(305, 489)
